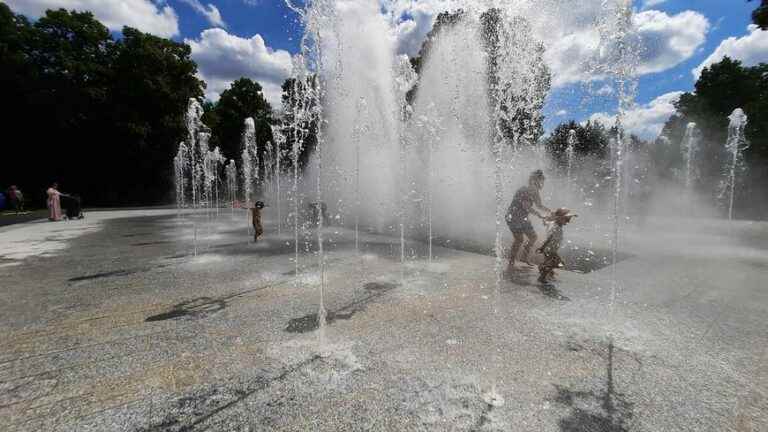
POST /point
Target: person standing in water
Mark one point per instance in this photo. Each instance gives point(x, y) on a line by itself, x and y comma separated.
point(525, 202)
point(551, 247)
point(54, 202)
point(258, 229)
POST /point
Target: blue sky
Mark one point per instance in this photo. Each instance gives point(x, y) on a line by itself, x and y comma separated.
point(256, 38)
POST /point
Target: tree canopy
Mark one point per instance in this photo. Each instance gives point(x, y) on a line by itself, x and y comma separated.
point(591, 140)
point(243, 99)
point(101, 116)
point(760, 15)
point(721, 88)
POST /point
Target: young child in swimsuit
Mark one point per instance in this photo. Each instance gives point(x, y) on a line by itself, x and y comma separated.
point(258, 230)
point(551, 247)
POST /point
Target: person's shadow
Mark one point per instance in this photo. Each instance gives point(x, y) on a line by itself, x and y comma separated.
point(527, 277)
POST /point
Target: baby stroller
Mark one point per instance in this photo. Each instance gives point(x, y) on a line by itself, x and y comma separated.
point(72, 205)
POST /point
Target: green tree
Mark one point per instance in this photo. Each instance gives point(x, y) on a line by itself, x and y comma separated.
point(760, 15)
point(591, 140)
point(65, 100)
point(721, 88)
point(243, 99)
point(152, 80)
point(15, 68)
point(17, 76)
point(103, 117)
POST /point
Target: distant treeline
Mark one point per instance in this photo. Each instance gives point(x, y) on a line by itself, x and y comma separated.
point(103, 116)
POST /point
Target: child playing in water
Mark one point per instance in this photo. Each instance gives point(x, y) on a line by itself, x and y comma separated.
point(551, 247)
point(258, 230)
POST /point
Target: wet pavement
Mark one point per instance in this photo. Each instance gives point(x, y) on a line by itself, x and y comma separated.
point(113, 324)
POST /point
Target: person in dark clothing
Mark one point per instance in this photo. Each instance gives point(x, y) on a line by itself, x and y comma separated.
point(525, 202)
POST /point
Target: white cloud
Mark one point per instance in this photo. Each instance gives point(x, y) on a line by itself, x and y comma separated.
point(561, 113)
point(412, 31)
point(145, 15)
point(223, 58)
point(665, 41)
point(750, 50)
point(645, 121)
point(567, 28)
point(210, 12)
point(668, 40)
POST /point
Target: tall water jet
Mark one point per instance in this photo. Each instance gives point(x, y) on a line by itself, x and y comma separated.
point(180, 168)
point(296, 113)
point(249, 164)
point(355, 58)
point(193, 121)
point(453, 87)
point(320, 20)
point(690, 148)
point(207, 176)
point(736, 144)
point(429, 127)
point(570, 154)
point(619, 57)
point(361, 129)
point(268, 172)
point(231, 175)
point(279, 138)
point(405, 78)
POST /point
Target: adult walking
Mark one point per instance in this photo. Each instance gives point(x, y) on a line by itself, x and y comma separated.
point(525, 202)
point(54, 202)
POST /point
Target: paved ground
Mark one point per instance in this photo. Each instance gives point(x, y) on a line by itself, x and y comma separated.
point(10, 218)
point(112, 324)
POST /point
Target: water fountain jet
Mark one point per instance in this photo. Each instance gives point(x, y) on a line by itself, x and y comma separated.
point(735, 146)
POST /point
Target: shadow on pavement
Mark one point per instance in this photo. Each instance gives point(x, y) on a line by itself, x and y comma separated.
point(608, 411)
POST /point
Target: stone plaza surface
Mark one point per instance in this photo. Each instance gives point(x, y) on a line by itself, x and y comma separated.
point(113, 324)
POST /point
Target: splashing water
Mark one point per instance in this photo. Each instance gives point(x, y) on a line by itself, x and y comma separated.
point(195, 149)
point(690, 148)
point(361, 130)
point(193, 120)
point(488, 102)
point(570, 154)
point(620, 47)
point(250, 166)
point(429, 124)
point(249, 161)
point(405, 78)
point(278, 172)
point(319, 17)
point(736, 144)
point(180, 168)
point(232, 189)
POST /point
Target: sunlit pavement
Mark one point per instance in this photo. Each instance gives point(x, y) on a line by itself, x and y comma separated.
point(113, 324)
